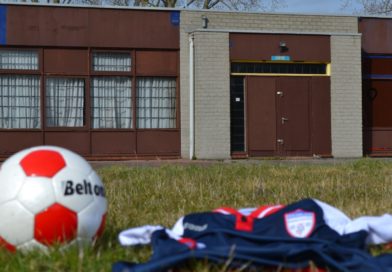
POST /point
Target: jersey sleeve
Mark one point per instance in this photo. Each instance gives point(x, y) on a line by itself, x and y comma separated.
point(137, 236)
point(379, 228)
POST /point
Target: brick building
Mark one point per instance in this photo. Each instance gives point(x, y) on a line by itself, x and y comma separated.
point(113, 83)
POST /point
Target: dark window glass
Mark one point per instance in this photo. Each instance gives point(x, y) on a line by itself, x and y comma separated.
point(237, 125)
point(279, 68)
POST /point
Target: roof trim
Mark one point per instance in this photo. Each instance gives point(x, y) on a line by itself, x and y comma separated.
point(89, 6)
point(358, 16)
point(174, 9)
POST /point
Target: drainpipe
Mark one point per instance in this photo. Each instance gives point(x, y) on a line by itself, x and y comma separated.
point(191, 99)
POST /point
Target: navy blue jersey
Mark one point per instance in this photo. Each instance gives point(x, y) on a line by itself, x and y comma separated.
point(289, 237)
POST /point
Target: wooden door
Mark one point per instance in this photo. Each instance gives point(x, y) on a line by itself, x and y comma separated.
point(278, 116)
point(293, 122)
point(261, 116)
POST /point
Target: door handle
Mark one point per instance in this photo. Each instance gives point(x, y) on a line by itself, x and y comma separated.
point(280, 93)
point(280, 141)
point(284, 119)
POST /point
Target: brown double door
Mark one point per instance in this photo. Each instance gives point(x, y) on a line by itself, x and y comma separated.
point(279, 116)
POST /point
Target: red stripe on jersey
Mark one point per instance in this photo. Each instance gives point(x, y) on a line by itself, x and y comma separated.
point(266, 210)
point(188, 242)
point(245, 222)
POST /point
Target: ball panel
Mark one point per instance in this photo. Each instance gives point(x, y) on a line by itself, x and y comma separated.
point(99, 189)
point(90, 220)
point(16, 224)
point(101, 228)
point(56, 224)
point(30, 245)
point(42, 163)
point(73, 189)
point(16, 158)
point(37, 194)
point(95, 179)
point(4, 244)
point(74, 161)
point(11, 180)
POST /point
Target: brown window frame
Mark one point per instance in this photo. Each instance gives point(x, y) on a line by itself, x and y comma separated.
point(132, 74)
point(86, 117)
point(22, 72)
point(92, 72)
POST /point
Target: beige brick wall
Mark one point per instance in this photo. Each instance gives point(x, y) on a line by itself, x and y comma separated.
point(191, 20)
point(212, 75)
point(212, 98)
point(346, 96)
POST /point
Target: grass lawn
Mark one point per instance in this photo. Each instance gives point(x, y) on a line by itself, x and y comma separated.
point(160, 195)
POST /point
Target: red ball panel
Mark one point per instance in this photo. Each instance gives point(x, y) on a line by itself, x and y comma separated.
point(56, 224)
point(101, 228)
point(6, 245)
point(42, 163)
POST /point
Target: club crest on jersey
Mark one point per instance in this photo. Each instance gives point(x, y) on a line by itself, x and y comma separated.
point(300, 223)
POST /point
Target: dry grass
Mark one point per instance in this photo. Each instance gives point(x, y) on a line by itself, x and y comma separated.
point(160, 195)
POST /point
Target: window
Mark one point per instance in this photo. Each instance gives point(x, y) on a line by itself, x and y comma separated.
point(279, 68)
point(112, 101)
point(156, 102)
point(19, 94)
point(64, 102)
point(19, 101)
point(111, 62)
point(111, 105)
point(18, 60)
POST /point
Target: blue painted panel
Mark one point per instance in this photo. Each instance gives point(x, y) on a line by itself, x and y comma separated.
point(378, 56)
point(175, 18)
point(378, 76)
point(280, 58)
point(3, 24)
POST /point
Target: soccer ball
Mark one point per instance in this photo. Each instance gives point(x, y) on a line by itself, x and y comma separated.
point(49, 196)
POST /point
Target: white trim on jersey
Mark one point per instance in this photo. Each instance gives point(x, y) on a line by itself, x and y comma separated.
point(379, 228)
point(334, 217)
point(178, 227)
point(269, 209)
point(137, 236)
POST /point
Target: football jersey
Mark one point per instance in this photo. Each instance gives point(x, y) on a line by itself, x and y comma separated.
point(289, 237)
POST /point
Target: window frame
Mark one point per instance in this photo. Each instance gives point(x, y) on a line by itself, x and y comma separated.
point(24, 72)
point(86, 117)
point(92, 72)
point(174, 74)
point(289, 65)
point(175, 97)
point(132, 128)
point(130, 74)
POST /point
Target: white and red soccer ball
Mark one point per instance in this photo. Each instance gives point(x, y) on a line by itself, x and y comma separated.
point(49, 196)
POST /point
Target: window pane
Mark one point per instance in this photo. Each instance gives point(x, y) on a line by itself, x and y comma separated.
point(64, 102)
point(279, 68)
point(111, 105)
point(19, 101)
point(111, 62)
point(156, 102)
point(18, 60)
